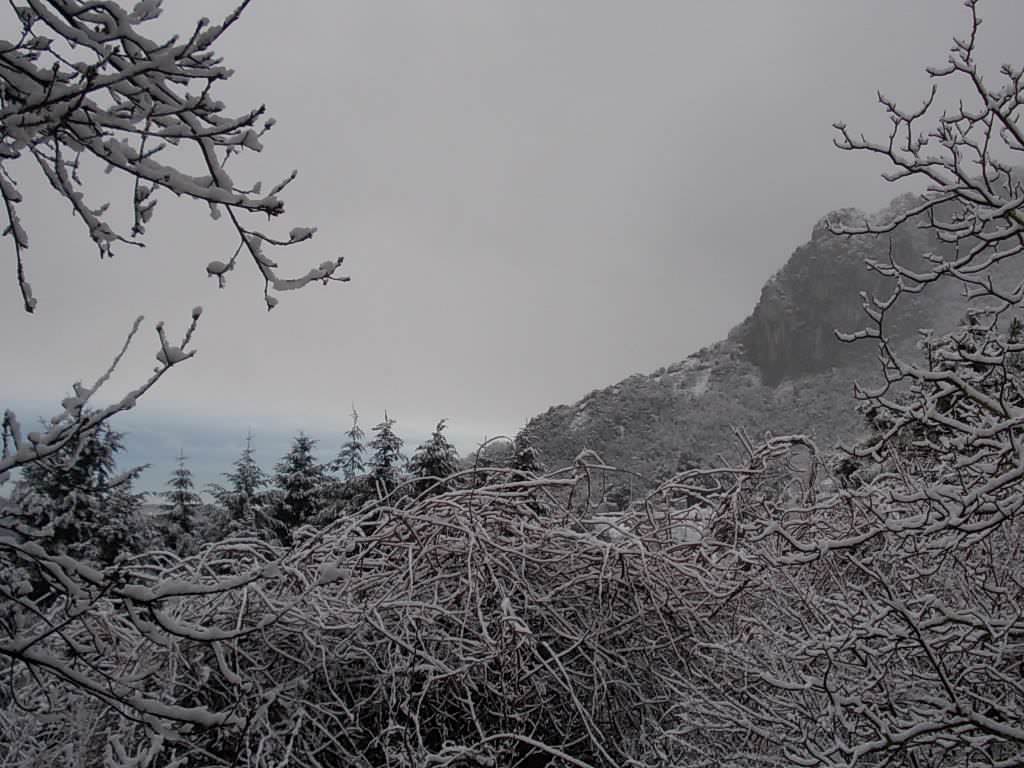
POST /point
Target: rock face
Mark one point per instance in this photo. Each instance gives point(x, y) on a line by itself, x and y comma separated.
point(781, 370)
point(791, 331)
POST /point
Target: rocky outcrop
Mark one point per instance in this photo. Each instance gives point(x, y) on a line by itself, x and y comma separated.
point(781, 370)
point(683, 415)
point(791, 331)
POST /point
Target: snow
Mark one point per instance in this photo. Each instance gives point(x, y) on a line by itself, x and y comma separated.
point(219, 270)
point(329, 574)
point(271, 571)
point(171, 355)
point(580, 419)
point(700, 383)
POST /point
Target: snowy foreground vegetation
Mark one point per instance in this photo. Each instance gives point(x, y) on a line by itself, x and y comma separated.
point(824, 618)
point(861, 608)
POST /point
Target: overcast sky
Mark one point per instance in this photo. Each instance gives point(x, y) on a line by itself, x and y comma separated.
point(533, 199)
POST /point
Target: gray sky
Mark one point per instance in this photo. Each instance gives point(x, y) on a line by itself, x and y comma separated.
point(534, 199)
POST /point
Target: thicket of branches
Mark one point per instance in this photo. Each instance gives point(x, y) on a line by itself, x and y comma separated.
point(477, 626)
point(880, 622)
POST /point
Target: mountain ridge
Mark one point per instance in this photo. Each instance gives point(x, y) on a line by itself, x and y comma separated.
point(781, 370)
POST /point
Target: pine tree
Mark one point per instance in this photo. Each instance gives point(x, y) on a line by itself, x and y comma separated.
point(524, 456)
point(245, 499)
point(80, 505)
point(434, 462)
point(350, 457)
point(181, 503)
point(387, 460)
point(302, 484)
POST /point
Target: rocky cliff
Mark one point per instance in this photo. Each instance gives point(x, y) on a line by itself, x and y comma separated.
point(781, 370)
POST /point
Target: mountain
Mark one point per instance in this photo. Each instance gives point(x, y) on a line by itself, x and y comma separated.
point(781, 370)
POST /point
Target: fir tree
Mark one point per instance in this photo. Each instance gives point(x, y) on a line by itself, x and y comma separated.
point(524, 456)
point(181, 503)
point(434, 462)
point(350, 457)
point(387, 460)
point(302, 484)
point(79, 504)
point(244, 500)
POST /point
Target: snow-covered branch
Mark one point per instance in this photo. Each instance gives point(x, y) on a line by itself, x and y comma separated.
point(78, 415)
point(82, 83)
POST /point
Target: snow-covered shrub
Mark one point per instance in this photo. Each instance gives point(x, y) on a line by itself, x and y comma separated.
point(876, 619)
point(464, 628)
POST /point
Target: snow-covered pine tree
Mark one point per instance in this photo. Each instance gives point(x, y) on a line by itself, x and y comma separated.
point(181, 503)
point(303, 486)
point(77, 503)
point(386, 462)
point(350, 458)
point(434, 462)
point(524, 456)
point(526, 459)
point(243, 502)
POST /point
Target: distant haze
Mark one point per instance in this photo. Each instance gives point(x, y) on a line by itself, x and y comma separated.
point(533, 199)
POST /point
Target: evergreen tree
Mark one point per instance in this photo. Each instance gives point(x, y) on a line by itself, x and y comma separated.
point(524, 456)
point(350, 457)
point(181, 503)
point(80, 505)
point(244, 501)
point(387, 460)
point(302, 484)
point(434, 462)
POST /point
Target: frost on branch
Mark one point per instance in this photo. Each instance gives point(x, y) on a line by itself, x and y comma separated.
point(80, 86)
point(81, 83)
point(78, 415)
